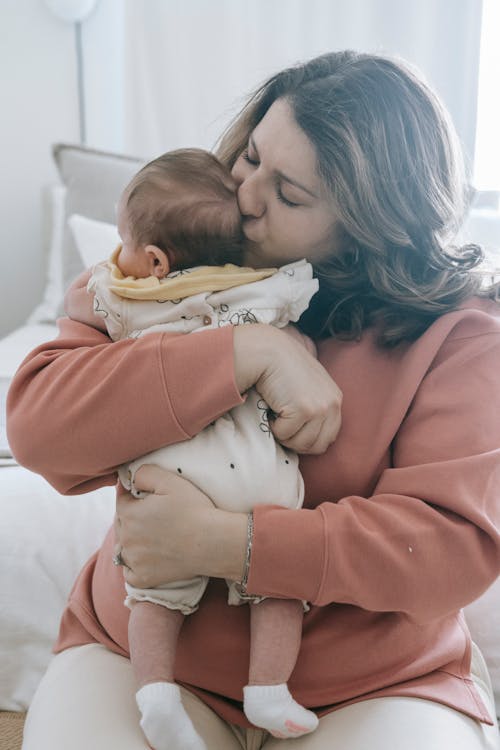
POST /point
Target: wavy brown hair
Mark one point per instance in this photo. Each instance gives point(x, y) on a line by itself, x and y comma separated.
point(389, 155)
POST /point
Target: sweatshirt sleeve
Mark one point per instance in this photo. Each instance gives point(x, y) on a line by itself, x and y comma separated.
point(81, 405)
point(427, 541)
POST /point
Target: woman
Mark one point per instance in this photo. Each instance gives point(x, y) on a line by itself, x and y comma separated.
point(348, 161)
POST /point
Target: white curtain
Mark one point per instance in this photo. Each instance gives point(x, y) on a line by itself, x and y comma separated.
point(161, 74)
point(487, 155)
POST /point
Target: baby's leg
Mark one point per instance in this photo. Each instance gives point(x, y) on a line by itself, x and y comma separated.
point(153, 633)
point(276, 631)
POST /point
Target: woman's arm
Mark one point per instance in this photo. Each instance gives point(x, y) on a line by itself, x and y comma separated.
point(426, 542)
point(80, 406)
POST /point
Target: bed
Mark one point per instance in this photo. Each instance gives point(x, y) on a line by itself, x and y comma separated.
point(45, 537)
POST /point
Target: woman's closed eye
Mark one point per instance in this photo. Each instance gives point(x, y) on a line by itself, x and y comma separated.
point(282, 198)
point(254, 162)
point(251, 160)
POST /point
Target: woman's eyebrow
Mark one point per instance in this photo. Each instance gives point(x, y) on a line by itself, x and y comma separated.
point(281, 175)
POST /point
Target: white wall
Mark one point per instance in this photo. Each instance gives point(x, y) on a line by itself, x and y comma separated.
point(38, 107)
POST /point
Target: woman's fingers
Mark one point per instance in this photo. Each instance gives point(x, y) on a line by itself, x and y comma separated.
point(294, 384)
point(306, 432)
point(312, 436)
point(159, 536)
point(152, 478)
point(307, 403)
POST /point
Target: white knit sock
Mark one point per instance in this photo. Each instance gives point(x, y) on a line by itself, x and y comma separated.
point(272, 707)
point(164, 719)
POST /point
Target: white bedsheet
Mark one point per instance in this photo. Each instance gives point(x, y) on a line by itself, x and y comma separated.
point(45, 538)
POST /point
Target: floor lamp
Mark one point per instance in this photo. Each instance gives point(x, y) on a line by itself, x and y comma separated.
point(75, 11)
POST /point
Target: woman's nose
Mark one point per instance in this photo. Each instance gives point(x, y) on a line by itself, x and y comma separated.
point(250, 199)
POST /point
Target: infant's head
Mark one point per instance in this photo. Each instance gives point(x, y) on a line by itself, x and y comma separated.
point(180, 210)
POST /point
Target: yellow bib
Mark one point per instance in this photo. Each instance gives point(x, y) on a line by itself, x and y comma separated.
point(201, 279)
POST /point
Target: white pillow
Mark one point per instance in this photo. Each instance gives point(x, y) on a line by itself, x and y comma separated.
point(91, 184)
point(94, 181)
point(95, 240)
point(45, 538)
point(48, 309)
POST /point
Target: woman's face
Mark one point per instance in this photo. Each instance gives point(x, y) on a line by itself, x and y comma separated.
point(287, 211)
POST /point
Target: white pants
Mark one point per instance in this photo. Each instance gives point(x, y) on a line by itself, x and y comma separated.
point(86, 700)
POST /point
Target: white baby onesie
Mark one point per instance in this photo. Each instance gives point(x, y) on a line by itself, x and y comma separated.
point(235, 460)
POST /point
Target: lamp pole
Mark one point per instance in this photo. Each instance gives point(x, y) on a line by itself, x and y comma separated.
point(80, 77)
point(75, 11)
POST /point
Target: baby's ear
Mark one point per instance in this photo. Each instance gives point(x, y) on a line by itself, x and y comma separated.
point(159, 264)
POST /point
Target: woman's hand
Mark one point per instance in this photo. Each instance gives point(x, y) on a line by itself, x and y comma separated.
point(175, 532)
point(294, 384)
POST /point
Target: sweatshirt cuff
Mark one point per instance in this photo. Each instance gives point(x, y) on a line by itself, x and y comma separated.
point(288, 553)
point(199, 379)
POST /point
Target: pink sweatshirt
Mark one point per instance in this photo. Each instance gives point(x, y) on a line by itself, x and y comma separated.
point(400, 527)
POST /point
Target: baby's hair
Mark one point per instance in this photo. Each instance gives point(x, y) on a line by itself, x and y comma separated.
point(184, 202)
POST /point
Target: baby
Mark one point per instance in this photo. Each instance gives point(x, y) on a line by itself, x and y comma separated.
point(178, 270)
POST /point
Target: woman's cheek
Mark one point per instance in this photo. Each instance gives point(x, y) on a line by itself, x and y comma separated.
point(289, 234)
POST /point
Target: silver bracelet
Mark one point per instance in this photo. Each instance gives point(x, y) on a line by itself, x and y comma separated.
point(248, 554)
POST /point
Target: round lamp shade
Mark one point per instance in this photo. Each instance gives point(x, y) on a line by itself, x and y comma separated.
point(72, 11)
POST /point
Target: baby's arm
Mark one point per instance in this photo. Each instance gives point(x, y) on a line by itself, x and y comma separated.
point(79, 304)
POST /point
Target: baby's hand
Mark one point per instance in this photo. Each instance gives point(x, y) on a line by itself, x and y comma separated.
point(297, 334)
point(79, 304)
